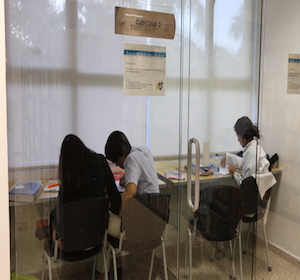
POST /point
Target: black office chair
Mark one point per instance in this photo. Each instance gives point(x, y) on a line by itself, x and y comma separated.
point(254, 210)
point(144, 222)
point(218, 216)
point(83, 235)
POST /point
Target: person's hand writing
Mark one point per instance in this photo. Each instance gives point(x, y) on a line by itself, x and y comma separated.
point(122, 181)
point(231, 169)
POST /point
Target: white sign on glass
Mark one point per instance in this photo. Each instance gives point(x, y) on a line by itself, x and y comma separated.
point(144, 70)
point(294, 74)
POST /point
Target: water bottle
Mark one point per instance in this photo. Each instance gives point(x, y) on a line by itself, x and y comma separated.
point(216, 165)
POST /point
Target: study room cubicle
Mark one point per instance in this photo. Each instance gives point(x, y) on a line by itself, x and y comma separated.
point(66, 73)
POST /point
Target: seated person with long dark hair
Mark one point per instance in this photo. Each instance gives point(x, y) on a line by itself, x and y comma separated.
point(82, 174)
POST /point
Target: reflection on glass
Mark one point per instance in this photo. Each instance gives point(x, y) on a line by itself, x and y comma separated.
point(65, 75)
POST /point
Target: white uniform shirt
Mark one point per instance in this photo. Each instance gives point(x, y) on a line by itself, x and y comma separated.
point(253, 163)
point(140, 170)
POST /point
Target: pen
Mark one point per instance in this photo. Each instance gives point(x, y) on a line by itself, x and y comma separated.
point(53, 185)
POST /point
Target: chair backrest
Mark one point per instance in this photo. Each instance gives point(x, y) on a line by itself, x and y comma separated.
point(253, 204)
point(144, 220)
point(84, 223)
point(219, 212)
point(250, 195)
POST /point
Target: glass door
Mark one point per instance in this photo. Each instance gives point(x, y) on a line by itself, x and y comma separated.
point(67, 74)
point(220, 85)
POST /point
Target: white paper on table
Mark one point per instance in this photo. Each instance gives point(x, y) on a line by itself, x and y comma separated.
point(224, 171)
point(119, 187)
point(51, 189)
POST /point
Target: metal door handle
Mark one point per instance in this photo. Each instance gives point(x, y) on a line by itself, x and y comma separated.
point(194, 206)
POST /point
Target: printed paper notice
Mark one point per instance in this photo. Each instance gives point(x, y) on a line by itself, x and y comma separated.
point(144, 70)
point(294, 74)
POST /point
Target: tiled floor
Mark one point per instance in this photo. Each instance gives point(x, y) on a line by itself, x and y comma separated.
point(135, 267)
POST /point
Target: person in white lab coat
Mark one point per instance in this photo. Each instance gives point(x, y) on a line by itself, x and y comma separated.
point(253, 162)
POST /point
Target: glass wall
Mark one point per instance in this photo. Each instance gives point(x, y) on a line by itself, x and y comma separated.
point(65, 75)
point(64, 59)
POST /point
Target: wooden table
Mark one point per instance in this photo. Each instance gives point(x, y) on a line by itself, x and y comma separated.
point(203, 179)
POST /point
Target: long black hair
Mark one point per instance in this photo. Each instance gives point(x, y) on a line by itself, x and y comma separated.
point(73, 166)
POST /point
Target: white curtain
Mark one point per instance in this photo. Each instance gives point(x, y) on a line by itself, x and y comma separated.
point(65, 75)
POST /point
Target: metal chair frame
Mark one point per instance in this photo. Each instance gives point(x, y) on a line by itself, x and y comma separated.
point(85, 236)
point(149, 216)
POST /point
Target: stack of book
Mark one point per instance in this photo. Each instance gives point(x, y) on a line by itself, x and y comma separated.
point(25, 191)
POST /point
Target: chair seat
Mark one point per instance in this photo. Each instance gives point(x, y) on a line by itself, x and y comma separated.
point(220, 236)
point(70, 256)
point(135, 247)
point(255, 217)
point(215, 228)
point(250, 219)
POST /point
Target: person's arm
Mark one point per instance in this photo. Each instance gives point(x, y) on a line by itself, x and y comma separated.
point(112, 191)
point(232, 159)
point(129, 192)
point(231, 169)
point(223, 161)
point(248, 166)
point(238, 178)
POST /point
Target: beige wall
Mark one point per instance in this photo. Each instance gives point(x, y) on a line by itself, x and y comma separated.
point(280, 118)
point(4, 217)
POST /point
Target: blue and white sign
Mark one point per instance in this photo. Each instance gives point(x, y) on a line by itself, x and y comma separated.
point(294, 74)
point(144, 70)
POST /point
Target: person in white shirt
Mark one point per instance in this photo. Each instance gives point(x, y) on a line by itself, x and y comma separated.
point(253, 162)
point(138, 164)
point(140, 178)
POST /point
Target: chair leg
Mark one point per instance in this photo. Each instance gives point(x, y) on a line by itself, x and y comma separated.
point(267, 247)
point(114, 262)
point(248, 236)
point(188, 254)
point(104, 252)
point(94, 267)
point(108, 258)
point(240, 250)
point(165, 261)
point(213, 252)
point(43, 267)
point(105, 262)
point(47, 259)
point(188, 249)
point(151, 264)
point(50, 269)
point(233, 273)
